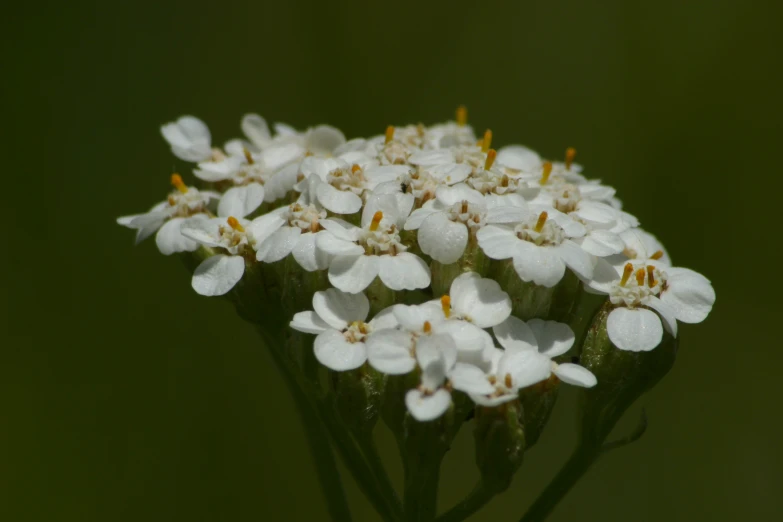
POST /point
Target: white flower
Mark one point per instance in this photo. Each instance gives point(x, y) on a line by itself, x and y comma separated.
point(375, 249)
point(339, 321)
point(689, 294)
point(640, 245)
point(436, 355)
point(166, 217)
point(477, 300)
point(219, 273)
point(541, 246)
point(189, 139)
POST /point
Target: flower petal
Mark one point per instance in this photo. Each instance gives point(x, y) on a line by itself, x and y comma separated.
point(241, 201)
point(635, 330)
point(498, 242)
point(330, 244)
point(689, 294)
point(309, 322)
point(339, 309)
point(218, 274)
point(256, 130)
point(307, 253)
point(576, 259)
point(189, 138)
point(405, 271)
point(665, 311)
point(390, 351)
point(515, 334)
point(204, 231)
point(575, 374)
point(602, 243)
point(278, 245)
point(442, 239)
point(480, 300)
point(323, 139)
point(353, 273)
point(518, 157)
point(426, 407)
point(436, 347)
point(470, 379)
point(553, 338)
point(213, 171)
point(541, 265)
point(338, 201)
point(170, 239)
point(338, 354)
point(526, 367)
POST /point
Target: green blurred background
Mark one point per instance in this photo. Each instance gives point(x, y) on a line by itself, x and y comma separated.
point(124, 396)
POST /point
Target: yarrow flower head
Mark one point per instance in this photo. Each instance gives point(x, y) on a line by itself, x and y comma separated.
point(431, 277)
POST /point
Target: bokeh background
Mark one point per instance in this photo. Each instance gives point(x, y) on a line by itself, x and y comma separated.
point(125, 397)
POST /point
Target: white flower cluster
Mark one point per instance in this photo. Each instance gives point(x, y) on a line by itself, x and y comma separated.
point(391, 207)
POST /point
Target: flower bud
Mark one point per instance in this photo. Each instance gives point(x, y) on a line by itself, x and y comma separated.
point(623, 376)
point(537, 402)
point(500, 444)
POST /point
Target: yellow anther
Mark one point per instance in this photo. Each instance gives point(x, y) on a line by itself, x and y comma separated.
point(490, 159)
point(235, 224)
point(355, 168)
point(486, 143)
point(389, 133)
point(627, 271)
point(248, 156)
point(508, 381)
point(462, 115)
point(651, 282)
point(547, 172)
point(504, 181)
point(376, 221)
point(445, 303)
point(657, 255)
point(464, 207)
point(570, 155)
point(542, 217)
point(427, 328)
point(640, 275)
point(176, 180)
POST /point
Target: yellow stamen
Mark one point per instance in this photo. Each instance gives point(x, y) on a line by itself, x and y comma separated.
point(462, 115)
point(445, 303)
point(541, 221)
point(234, 223)
point(389, 133)
point(627, 271)
point(427, 328)
point(547, 172)
point(651, 282)
point(464, 209)
point(486, 143)
point(248, 156)
point(504, 181)
point(657, 255)
point(376, 221)
point(640, 274)
point(490, 159)
point(570, 155)
point(355, 168)
point(176, 180)
point(508, 381)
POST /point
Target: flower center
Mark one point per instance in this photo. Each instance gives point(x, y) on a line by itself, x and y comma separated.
point(234, 235)
point(378, 239)
point(185, 202)
point(467, 213)
point(542, 232)
point(305, 217)
point(348, 179)
point(637, 283)
point(357, 331)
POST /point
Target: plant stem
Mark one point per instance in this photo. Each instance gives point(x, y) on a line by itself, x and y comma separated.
point(569, 474)
point(477, 499)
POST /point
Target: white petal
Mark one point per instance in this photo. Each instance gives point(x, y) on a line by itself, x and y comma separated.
point(218, 274)
point(384, 319)
point(426, 407)
point(450, 173)
point(490, 401)
point(458, 193)
point(281, 183)
point(256, 129)
point(204, 231)
point(479, 299)
point(341, 229)
point(307, 253)
point(241, 201)
point(339, 309)
point(265, 225)
point(526, 367)
point(353, 273)
point(278, 245)
point(170, 239)
point(336, 353)
point(507, 214)
point(470, 379)
point(309, 322)
point(189, 138)
point(602, 243)
point(497, 242)
point(519, 158)
point(575, 374)
point(389, 351)
point(431, 157)
point(553, 338)
point(442, 239)
point(213, 171)
point(436, 347)
point(338, 201)
point(412, 317)
point(541, 265)
point(471, 341)
point(689, 294)
point(635, 330)
point(418, 216)
point(405, 271)
point(327, 242)
point(323, 139)
point(389, 205)
point(665, 311)
point(515, 334)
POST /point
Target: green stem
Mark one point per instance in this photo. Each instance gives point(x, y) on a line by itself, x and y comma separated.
point(569, 474)
point(477, 499)
point(370, 450)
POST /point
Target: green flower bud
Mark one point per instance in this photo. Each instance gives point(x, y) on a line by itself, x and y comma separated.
point(499, 443)
point(537, 402)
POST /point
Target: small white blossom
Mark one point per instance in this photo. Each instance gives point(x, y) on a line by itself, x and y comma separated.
point(189, 139)
point(436, 356)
